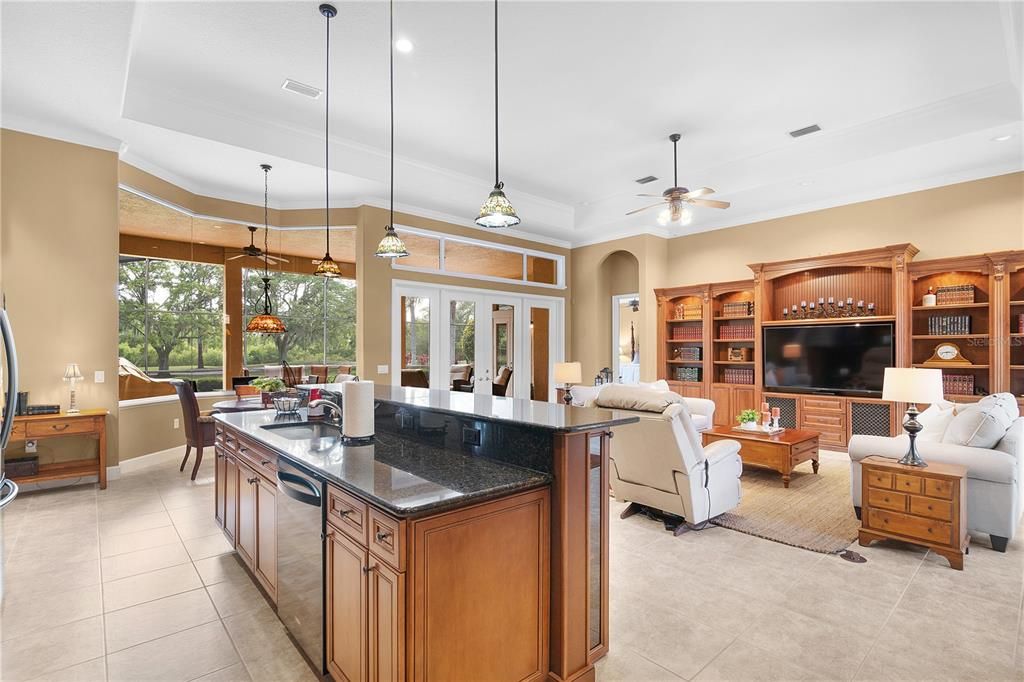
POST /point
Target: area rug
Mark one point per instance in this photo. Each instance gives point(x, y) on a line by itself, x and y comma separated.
point(814, 513)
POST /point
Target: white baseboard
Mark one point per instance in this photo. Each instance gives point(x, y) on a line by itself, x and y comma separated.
point(113, 473)
point(153, 458)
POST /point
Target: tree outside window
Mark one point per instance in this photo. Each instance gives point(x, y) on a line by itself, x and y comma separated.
point(170, 316)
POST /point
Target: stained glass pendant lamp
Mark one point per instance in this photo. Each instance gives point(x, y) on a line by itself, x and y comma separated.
point(266, 322)
point(327, 267)
point(391, 246)
point(497, 211)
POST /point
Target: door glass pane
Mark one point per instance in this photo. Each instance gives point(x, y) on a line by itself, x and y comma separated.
point(540, 342)
point(462, 340)
point(503, 348)
point(416, 341)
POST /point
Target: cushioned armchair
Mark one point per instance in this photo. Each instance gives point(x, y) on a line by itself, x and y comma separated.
point(660, 463)
point(702, 410)
point(995, 485)
point(199, 427)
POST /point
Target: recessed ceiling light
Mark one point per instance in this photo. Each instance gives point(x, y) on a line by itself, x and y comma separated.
point(1002, 138)
point(403, 45)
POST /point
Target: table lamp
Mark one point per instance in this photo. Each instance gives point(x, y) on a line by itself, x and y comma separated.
point(568, 373)
point(912, 385)
point(72, 374)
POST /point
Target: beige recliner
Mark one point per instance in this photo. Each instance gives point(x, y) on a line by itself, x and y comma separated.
point(659, 462)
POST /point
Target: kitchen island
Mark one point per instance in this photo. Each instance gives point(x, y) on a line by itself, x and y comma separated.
point(467, 541)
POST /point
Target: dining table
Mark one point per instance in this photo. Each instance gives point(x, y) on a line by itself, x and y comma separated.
point(247, 404)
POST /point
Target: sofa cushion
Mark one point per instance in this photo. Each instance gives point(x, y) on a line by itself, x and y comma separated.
point(935, 420)
point(700, 421)
point(659, 385)
point(983, 424)
point(627, 397)
point(581, 395)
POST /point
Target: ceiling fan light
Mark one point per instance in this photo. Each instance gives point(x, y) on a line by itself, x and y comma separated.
point(664, 217)
point(327, 268)
point(497, 211)
point(391, 246)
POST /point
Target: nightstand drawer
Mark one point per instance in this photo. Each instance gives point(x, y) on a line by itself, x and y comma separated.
point(909, 484)
point(933, 487)
point(935, 509)
point(58, 428)
point(929, 530)
point(879, 479)
point(887, 499)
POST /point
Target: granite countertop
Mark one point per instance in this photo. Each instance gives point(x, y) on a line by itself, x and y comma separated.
point(552, 416)
point(405, 477)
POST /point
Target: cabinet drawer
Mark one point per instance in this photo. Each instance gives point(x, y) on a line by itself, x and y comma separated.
point(879, 479)
point(887, 499)
point(347, 514)
point(935, 509)
point(58, 428)
point(909, 484)
point(387, 539)
point(934, 487)
point(822, 403)
point(262, 461)
point(929, 530)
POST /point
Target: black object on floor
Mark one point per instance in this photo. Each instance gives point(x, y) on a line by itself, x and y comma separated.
point(852, 556)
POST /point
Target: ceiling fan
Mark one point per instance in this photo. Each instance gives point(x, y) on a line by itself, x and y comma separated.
point(675, 198)
point(254, 251)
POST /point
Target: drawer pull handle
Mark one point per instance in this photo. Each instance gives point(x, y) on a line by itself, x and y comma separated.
point(383, 535)
point(254, 479)
point(59, 427)
point(343, 513)
point(367, 569)
point(265, 462)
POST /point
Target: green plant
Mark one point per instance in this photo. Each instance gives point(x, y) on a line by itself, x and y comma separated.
point(268, 384)
point(747, 416)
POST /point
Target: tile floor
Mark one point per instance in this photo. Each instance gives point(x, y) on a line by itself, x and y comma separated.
point(136, 583)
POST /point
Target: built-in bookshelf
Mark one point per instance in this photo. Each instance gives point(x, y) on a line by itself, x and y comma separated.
point(1015, 326)
point(682, 344)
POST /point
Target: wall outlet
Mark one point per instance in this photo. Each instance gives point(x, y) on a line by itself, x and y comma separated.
point(30, 447)
point(177, 423)
point(99, 376)
point(382, 369)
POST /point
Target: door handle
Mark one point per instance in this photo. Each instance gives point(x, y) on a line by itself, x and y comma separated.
point(367, 569)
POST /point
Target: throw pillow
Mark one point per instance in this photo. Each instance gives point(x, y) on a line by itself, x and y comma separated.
point(625, 397)
point(935, 421)
point(983, 424)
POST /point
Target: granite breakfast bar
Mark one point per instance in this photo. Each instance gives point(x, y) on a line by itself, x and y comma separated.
point(468, 540)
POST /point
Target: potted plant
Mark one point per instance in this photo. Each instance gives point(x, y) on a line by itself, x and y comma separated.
point(268, 387)
point(748, 420)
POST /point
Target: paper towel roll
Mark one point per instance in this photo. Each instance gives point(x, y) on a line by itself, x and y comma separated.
point(357, 409)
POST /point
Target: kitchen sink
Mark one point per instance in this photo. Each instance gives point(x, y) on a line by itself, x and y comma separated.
point(318, 431)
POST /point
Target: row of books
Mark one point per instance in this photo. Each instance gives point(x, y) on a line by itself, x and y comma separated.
point(736, 331)
point(958, 384)
point(687, 333)
point(738, 375)
point(949, 324)
point(737, 309)
point(691, 353)
point(688, 373)
point(957, 294)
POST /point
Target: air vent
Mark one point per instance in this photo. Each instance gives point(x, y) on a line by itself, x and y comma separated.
point(645, 180)
point(805, 131)
point(301, 88)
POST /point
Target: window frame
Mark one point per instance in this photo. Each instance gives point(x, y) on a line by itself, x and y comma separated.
point(524, 252)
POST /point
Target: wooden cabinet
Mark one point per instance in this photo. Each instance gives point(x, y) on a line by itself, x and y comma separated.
point(245, 540)
point(827, 416)
point(386, 627)
point(730, 400)
point(265, 564)
point(347, 615)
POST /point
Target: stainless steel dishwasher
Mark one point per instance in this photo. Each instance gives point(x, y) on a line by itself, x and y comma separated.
point(300, 560)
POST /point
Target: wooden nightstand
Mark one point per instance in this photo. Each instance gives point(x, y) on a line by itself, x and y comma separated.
point(926, 506)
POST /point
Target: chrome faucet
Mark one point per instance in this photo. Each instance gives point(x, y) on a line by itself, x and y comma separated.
point(330, 405)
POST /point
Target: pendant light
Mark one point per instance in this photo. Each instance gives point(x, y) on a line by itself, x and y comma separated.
point(496, 211)
point(266, 322)
point(391, 246)
point(327, 267)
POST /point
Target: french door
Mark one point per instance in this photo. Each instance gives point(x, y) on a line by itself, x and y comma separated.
point(475, 340)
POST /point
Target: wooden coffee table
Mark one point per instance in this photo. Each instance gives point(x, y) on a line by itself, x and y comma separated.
point(781, 452)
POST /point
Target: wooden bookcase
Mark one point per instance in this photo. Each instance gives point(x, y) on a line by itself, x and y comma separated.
point(680, 332)
point(1009, 268)
point(733, 332)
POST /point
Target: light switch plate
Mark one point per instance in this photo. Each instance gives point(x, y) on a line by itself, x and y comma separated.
point(177, 423)
point(382, 369)
point(99, 376)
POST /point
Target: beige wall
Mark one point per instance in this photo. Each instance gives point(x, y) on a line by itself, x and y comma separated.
point(59, 226)
point(143, 429)
point(374, 277)
point(974, 217)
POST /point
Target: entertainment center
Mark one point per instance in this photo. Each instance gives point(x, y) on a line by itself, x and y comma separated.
point(716, 340)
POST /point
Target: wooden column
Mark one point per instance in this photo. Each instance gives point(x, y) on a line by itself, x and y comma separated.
point(708, 333)
point(902, 293)
point(999, 324)
point(762, 302)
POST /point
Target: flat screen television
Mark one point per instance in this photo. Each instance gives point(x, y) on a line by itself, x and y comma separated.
point(842, 359)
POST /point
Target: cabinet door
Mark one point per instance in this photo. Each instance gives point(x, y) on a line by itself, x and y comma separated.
point(724, 413)
point(386, 623)
point(346, 608)
point(230, 497)
point(219, 498)
point(266, 536)
point(743, 399)
point(245, 540)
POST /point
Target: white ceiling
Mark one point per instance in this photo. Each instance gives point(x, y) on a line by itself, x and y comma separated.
point(909, 95)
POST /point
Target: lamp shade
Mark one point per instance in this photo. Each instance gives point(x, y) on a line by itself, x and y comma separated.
point(568, 373)
point(72, 372)
point(912, 385)
point(497, 211)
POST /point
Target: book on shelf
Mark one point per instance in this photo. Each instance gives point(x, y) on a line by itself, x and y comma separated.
point(738, 375)
point(957, 294)
point(945, 325)
point(687, 374)
point(958, 384)
point(738, 309)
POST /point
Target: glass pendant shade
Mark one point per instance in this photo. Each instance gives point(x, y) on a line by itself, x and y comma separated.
point(497, 211)
point(391, 246)
point(328, 267)
point(266, 322)
point(675, 213)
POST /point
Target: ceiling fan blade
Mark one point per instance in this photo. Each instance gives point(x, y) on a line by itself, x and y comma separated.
point(241, 255)
point(710, 203)
point(656, 196)
point(638, 210)
point(277, 259)
point(699, 192)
